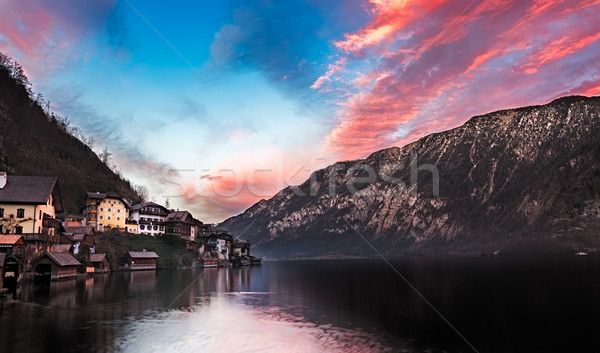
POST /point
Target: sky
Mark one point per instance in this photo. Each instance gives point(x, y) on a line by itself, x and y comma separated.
point(217, 104)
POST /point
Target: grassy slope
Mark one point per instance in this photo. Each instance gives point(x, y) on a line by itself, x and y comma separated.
point(171, 250)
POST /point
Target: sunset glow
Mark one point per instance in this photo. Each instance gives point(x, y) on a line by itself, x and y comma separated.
point(216, 105)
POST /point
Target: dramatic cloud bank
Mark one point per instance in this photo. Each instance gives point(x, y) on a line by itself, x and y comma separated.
point(306, 82)
point(424, 66)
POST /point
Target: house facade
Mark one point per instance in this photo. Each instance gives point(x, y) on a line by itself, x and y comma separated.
point(149, 218)
point(220, 242)
point(182, 224)
point(28, 204)
point(105, 211)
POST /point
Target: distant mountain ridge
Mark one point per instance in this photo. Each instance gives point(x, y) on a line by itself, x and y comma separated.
point(34, 143)
point(523, 180)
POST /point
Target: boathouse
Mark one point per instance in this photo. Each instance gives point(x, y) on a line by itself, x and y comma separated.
point(142, 260)
point(100, 263)
point(55, 266)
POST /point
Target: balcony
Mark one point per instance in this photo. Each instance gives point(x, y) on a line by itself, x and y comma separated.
point(153, 213)
point(37, 237)
point(152, 222)
point(50, 222)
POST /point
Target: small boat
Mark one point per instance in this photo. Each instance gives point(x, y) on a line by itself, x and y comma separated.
point(255, 260)
point(581, 253)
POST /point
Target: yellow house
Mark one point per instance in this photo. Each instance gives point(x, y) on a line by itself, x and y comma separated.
point(108, 210)
point(28, 204)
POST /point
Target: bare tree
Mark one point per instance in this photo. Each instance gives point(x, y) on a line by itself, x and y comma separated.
point(141, 191)
point(105, 156)
point(10, 223)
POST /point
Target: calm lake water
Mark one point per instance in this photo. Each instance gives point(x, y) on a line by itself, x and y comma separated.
point(498, 304)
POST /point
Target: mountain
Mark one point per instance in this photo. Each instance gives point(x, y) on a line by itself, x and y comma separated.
point(33, 142)
point(521, 180)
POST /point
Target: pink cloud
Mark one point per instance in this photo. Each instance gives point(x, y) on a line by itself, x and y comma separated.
point(461, 59)
point(43, 35)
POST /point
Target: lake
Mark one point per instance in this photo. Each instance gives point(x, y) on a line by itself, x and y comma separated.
point(498, 304)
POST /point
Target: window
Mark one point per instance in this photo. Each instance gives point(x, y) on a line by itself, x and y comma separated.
point(18, 230)
point(100, 227)
point(108, 218)
point(0, 228)
point(1, 212)
point(109, 210)
point(20, 250)
point(118, 210)
point(101, 217)
point(20, 213)
point(40, 214)
point(101, 209)
point(118, 218)
point(126, 229)
point(142, 227)
point(155, 227)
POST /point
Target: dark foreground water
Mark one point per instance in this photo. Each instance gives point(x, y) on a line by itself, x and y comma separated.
point(498, 304)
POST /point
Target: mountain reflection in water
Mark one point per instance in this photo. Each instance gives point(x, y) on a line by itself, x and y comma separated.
point(499, 304)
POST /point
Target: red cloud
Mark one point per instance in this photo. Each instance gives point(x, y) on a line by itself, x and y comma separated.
point(438, 63)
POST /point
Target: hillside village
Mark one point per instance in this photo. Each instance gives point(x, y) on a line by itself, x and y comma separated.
point(38, 241)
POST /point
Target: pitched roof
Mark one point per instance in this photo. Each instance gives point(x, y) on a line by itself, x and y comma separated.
point(9, 239)
point(142, 254)
point(79, 229)
point(180, 216)
point(112, 195)
point(33, 190)
point(78, 233)
point(139, 206)
point(62, 247)
point(61, 258)
point(97, 257)
point(240, 244)
point(74, 237)
point(96, 195)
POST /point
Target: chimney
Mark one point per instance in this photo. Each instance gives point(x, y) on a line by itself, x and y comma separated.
point(3, 178)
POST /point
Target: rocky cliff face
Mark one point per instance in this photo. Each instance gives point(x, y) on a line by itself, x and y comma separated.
point(520, 180)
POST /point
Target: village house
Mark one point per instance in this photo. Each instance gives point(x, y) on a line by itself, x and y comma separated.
point(100, 263)
point(142, 260)
point(149, 218)
point(55, 266)
point(82, 239)
point(106, 211)
point(181, 224)
point(28, 206)
point(13, 245)
point(220, 242)
point(240, 248)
